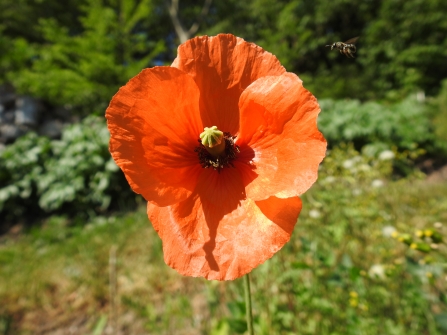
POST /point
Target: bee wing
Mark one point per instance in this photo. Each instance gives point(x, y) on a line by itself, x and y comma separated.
point(352, 40)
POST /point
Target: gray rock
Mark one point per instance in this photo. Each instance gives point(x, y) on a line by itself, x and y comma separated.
point(51, 128)
point(7, 96)
point(27, 111)
point(63, 112)
point(7, 117)
point(9, 132)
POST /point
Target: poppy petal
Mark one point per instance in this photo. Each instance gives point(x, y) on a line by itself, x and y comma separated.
point(154, 122)
point(222, 67)
point(278, 125)
point(196, 245)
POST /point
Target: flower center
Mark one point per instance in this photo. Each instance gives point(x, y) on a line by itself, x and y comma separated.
point(216, 149)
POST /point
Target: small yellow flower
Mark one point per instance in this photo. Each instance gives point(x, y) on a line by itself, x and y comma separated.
point(428, 232)
point(353, 302)
point(353, 294)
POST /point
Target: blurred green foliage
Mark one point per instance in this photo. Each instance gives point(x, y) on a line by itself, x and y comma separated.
point(85, 69)
point(405, 125)
point(14, 57)
point(75, 174)
point(438, 113)
point(94, 46)
point(405, 47)
point(19, 18)
point(402, 45)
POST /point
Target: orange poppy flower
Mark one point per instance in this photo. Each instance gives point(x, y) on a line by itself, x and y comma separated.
point(218, 219)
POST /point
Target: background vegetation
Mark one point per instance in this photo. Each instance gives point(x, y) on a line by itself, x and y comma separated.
point(368, 255)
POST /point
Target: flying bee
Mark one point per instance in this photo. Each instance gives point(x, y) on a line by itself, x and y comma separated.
point(346, 48)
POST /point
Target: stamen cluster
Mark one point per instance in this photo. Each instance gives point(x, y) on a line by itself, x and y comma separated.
point(224, 160)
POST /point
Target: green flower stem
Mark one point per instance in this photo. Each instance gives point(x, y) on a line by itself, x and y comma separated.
point(248, 312)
